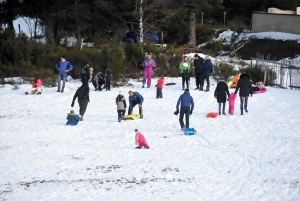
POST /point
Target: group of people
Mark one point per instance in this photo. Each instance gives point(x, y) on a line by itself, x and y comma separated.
point(185, 103)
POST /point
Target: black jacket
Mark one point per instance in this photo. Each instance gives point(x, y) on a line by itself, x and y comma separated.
point(221, 91)
point(198, 65)
point(82, 93)
point(244, 85)
point(85, 74)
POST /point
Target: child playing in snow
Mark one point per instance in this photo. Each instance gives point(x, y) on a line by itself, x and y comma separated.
point(159, 85)
point(231, 100)
point(72, 118)
point(121, 106)
point(140, 140)
point(36, 86)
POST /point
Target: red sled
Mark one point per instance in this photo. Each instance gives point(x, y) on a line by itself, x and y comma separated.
point(233, 86)
point(212, 115)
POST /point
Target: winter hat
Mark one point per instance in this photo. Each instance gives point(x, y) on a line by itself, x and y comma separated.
point(120, 93)
point(72, 112)
point(196, 55)
point(207, 57)
point(136, 130)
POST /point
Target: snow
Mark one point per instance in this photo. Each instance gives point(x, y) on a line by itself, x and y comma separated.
point(233, 157)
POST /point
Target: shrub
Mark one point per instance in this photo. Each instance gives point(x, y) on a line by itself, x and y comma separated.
point(223, 71)
point(204, 32)
point(237, 25)
point(213, 47)
point(257, 74)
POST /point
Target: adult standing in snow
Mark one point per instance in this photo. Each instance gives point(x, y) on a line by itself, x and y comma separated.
point(187, 105)
point(108, 77)
point(245, 86)
point(83, 98)
point(198, 62)
point(85, 73)
point(135, 99)
point(220, 95)
point(185, 67)
point(148, 65)
point(207, 69)
point(63, 68)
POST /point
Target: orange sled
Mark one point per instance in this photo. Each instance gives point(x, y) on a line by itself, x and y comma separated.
point(212, 115)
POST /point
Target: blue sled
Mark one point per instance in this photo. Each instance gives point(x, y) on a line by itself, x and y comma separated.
point(72, 124)
point(189, 131)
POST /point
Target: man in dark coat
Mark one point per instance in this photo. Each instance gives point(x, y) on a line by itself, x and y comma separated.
point(186, 103)
point(83, 98)
point(207, 69)
point(198, 62)
point(85, 73)
point(245, 86)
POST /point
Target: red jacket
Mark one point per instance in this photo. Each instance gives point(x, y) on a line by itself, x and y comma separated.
point(160, 82)
point(36, 83)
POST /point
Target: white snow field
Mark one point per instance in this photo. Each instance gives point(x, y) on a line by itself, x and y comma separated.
point(251, 157)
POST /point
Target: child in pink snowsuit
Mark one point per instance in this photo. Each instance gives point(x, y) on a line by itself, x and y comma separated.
point(148, 65)
point(140, 140)
point(231, 100)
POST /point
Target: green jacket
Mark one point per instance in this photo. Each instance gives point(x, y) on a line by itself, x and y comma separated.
point(72, 118)
point(181, 67)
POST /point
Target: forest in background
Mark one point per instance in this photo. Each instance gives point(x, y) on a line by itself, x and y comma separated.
point(106, 22)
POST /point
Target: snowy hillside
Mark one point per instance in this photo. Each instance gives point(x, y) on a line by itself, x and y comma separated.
point(249, 157)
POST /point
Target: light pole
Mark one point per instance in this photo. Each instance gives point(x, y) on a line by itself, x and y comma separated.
point(224, 17)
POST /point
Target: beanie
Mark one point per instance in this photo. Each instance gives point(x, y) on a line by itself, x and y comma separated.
point(207, 57)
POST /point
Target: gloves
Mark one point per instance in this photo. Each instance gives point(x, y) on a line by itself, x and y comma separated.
point(155, 85)
point(72, 104)
point(176, 112)
point(191, 112)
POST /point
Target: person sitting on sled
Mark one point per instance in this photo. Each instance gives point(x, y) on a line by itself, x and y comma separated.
point(140, 140)
point(72, 118)
point(235, 78)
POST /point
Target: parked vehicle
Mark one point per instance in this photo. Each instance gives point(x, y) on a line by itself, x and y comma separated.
point(149, 37)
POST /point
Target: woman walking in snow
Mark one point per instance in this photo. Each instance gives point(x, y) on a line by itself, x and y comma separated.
point(220, 95)
point(148, 65)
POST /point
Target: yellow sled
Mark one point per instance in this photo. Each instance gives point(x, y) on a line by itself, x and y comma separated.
point(131, 117)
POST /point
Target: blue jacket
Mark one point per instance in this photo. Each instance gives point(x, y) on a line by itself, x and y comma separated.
point(136, 98)
point(185, 100)
point(206, 68)
point(108, 75)
point(62, 66)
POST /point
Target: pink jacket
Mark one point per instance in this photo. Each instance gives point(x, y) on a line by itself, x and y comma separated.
point(140, 140)
point(36, 83)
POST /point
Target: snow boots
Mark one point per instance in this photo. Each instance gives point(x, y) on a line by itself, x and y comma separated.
point(201, 88)
point(207, 88)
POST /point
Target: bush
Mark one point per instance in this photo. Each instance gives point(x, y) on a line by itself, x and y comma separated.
point(223, 71)
point(237, 25)
point(213, 47)
point(257, 74)
point(204, 32)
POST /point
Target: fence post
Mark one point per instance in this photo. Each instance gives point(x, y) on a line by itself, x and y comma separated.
point(280, 84)
point(265, 75)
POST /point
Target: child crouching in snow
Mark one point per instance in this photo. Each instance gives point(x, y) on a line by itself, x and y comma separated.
point(231, 100)
point(159, 85)
point(140, 140)
point(72, 118)
point(121, 106)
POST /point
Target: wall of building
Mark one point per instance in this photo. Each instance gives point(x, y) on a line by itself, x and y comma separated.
point(265, 22)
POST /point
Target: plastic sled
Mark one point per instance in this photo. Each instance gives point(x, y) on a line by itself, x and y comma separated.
point(72, 124)
point(233, 86)
point(263, 90)
point(131, 117)
point(212, 115)
point(189, 131)
point(170, 83)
